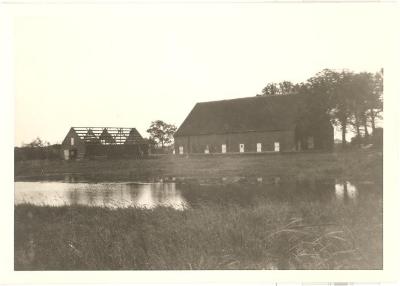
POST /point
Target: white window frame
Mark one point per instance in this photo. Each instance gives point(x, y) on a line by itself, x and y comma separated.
point(223, 148)
point(72, 141)
point(180, 150)
point(241, 150)
point(277, 146)
point(259, 147)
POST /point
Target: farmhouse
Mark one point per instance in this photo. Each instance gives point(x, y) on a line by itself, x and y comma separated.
point(110, 142)
point(253, 124)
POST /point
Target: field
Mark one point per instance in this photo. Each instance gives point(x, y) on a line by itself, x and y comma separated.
point(211, 235)
point(360, 164)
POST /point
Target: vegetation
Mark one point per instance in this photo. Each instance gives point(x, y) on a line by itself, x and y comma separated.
point(161, 133)
point(299, 235)
point(37, 149)
point(356, 164)
point(49, 152)
point(38, 142)
point(214, 234)
point(350, 99)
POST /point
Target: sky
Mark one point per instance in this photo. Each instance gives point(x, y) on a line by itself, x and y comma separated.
point(127, 65)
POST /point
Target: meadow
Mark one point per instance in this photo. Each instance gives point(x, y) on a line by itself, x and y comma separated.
point(353, 164)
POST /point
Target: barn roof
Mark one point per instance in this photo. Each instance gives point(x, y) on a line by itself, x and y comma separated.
point(259, 113)
point(110, 135)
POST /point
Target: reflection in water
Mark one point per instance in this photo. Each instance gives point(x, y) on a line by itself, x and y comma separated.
point(111, 195)
point(345, 190)
point(186, 192)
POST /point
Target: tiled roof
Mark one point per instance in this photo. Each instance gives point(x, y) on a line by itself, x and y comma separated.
point(260, 113)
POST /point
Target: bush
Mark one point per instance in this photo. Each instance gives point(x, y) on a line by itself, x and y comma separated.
point(51, 152)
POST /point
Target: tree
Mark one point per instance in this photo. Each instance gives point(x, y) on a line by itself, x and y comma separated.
point(341, 100)
point(37, 143)
point(334, 93)
point(350, 99)
point(375, 101)
point(319, 91)
point(281, 88)
point(286, 87)
point(161, 132)
point(270, 89)
point(361, 90)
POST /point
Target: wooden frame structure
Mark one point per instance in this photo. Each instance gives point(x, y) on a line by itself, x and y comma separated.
point(110, 142)
point(109, 135)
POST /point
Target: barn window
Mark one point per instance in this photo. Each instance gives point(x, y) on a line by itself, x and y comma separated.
point(103, 141)
point(259, 147)
point(207, 150)
point(180, 149)
point(223, 148)
point(310, 142)
point(72, 141)
point(241, 148)
point(276, 147)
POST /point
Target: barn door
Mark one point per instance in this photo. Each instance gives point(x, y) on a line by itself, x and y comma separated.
point(66, 154)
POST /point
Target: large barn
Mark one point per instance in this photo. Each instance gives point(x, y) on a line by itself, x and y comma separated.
point(110, 142)
point(252, 124)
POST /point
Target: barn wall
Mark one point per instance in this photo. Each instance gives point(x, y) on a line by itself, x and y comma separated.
point(79, 146)
point(322, 133)
point(116, 151)
point(198, 143)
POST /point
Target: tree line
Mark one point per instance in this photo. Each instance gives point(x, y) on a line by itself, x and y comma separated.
point(38, 149)
point(351, 100)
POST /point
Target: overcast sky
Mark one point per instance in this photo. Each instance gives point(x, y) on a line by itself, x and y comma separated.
point(126, 65)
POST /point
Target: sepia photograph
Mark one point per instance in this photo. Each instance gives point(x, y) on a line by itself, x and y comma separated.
point(198, 136)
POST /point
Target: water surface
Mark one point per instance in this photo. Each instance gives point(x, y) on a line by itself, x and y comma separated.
point(182, 193)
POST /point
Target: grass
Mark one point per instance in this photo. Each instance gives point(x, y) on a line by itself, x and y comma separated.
point(265, 236)
point(259, 234)
point(358, 164)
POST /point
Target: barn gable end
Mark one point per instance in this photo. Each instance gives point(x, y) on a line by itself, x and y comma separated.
point(106, 138)
point(134, 137)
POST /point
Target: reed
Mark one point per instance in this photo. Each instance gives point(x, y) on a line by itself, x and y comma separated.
point(295, 235)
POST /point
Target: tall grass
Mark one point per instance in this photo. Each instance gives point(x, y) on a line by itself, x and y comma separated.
point(303, 235)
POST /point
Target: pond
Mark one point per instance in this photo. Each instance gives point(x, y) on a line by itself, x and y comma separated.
point(182, 193)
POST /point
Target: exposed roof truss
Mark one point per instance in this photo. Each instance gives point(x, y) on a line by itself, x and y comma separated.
point(109, 135)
